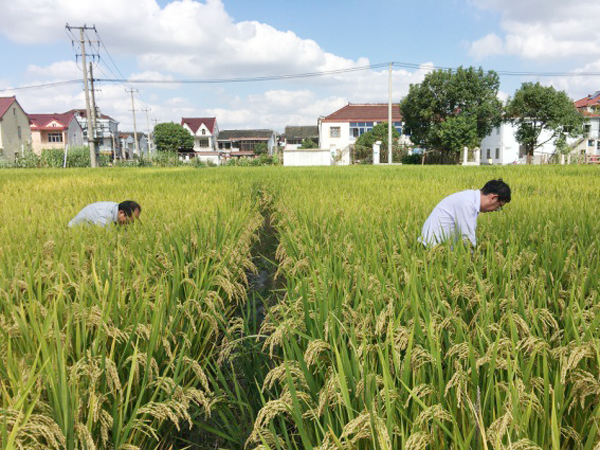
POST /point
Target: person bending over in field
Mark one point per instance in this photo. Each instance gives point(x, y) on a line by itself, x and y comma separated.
point(455, 217)
point(103, 213)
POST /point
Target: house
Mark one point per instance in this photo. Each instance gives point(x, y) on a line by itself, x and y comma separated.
point(339, 130)
point(127, 144)
point(15, 134)
point(107, 130)
point(205, 131)
point(293, 136)
point(589, 107)
point(237, 143)
point(54, 131)
point(500, 147)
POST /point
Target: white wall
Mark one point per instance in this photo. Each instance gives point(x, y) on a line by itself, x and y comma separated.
point(307, 157)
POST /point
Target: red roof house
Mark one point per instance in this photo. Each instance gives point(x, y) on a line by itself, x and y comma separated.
point(49, 131)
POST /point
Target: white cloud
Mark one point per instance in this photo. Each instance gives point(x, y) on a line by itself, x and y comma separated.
point(577, 85)
point(543, 29)
point(487, 46)
point(194, 39)
point(61, 70)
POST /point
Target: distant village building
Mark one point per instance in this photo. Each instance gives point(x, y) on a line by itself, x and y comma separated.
point(500, 147)
point(205, 132)
point(55, 131)
point(294, 136)
point(15, 134)
point(107, 131)
point(339, 130)
point(589, 107)
point(127, 144)
point(240, 143)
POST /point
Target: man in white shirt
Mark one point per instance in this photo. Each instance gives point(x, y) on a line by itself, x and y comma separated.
point(455, 217)
point(103, 213)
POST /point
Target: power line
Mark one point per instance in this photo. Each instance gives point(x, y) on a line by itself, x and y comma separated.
point(294, 76)
point(42, 86)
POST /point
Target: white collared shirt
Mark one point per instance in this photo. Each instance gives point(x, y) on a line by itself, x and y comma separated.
point(100, 213)
point(454, 218)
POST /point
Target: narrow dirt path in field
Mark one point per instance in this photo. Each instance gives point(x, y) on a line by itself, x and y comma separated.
point(263, 289)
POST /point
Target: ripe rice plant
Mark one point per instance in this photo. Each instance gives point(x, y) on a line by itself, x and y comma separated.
point(107, 333)
point(384, 345)
point(124, 337)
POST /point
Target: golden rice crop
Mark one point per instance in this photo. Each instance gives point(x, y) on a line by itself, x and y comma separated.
point(125, 337)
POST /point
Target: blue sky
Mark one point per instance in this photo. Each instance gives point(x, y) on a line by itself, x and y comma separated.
point(221, 39)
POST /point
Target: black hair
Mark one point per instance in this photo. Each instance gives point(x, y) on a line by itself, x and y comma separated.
point(498, 187)
point(129, 207)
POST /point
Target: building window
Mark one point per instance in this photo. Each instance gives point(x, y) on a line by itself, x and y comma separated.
point(358, 128)
point(19, 132)
point(497, 130)
point(488, 153)
point(586, 128)
point(335, 132)
point(55, 137)
point(203, 142)
point(203, 132)
point(497, 153)
point(398, 127)
point(591, 143)
point(14, 111)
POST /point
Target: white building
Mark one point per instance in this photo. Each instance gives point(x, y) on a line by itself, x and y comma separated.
point(206, 132)
point(127, 144)
point(339, 130)
point(501, 147)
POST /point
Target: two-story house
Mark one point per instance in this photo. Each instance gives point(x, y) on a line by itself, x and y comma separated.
point(205, 132)
point(50, 131)
point(15, 134)
point(589, 107)
point(107, 130)
point(340, 129)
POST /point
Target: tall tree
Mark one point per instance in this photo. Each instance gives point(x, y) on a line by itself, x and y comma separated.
point(536, 108)
point(452, 109)
point(172, 137)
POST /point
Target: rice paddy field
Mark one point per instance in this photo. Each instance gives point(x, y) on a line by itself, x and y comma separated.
point(293, 308)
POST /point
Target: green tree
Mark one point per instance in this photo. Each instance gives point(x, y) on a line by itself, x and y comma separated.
point(261, 149)
point(364, 143)
point(452, 109)
point(308, 143)
point(536, 108)
point(172, 137)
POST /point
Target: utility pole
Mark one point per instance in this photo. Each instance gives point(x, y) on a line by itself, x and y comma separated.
point(91, 142)
point(148, 128)
point(94, 111)
point(390, 123)
point(137, 146)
